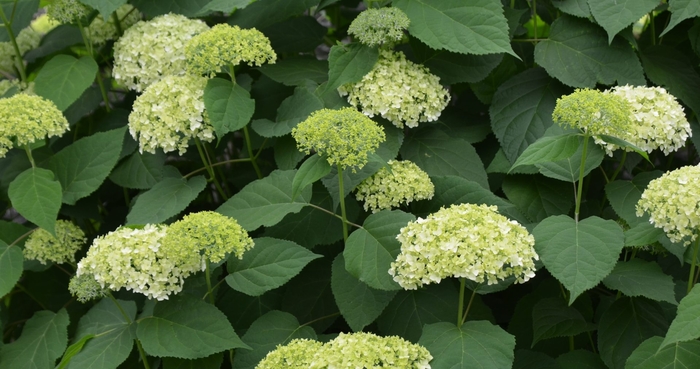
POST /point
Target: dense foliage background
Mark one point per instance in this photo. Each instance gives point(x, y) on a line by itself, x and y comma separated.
point(607, 295)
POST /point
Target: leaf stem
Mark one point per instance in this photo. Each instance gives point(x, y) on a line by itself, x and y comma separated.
point(582, 170)
point(460, 306)
point(142, 353)
point(29, 155)
point(469, 305)
point(334, 214)
point(693, 262)
point(207, 276)
point(190, 174)
point(98, 77)
point(341, 189)
point(212, 176)
point(20, 238)
point(620, 166)
point(250, 152)
point(18, 55)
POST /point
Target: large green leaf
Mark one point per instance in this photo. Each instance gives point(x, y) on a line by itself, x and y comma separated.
point(19, 13)
point(57, 39)
point(475, 27)
point(309, 297)
point(164, 200)
point(670, 68)
point(36, 195)
point(188, 328)
point(349, 63)
point(113, 335)
point(262, 13)
point(580, 359)
point(578, 254)
point(642, 234)
point(577, 53)
point(83, 166)
point(568, 169)
point(370, 250)
point(680, 11)
point(641, 278)
point(106, 7)
point(11, 266)
point(650, 355)
point(624, 195)
point(225, 6)
point(43, 340)
point(537, 196)
point(266, 201)
point(294, 71)
point(549, 148)
point(313, 169)
point(359, 303)
point(64, 78)
point(290, 113)
point(140, 171)
point(476, 344)
point(229, 106)
point(268, 265)
point(453, 67)
point(686, 325)
point(551, 317)
point(522, 109)
point(577, 8)
point(152, 8)
point(616, 16)
point(73, 350)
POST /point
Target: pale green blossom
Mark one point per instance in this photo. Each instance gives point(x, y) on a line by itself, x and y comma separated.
point(100, 31)
point(26, 118)
point(148, 51)
point(658, 121)
point(170, 113)
point(402, 182)
point(68, 11)
point(85, 288)
point(375, 27)
point(297, 354)
point(13, 85)
point(399, 90)
point(673, 204)
point(44, 247)
point(344, 137)
point(27, 39)
point(226, 45)
point(464, 241)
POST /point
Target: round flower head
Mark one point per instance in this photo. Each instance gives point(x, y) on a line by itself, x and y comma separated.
point(27, 39)
point(28, 118)
point(402, 183)
point(226, 45)
point(673, 204)
point(366, 350)
point(85, 288)
point(134, 259)
point(151, 50)
point(344, 137)
point(297, 354)
point(100, 31)
point(44, 247)
point(399, 90)
point(658, 121)
point(376, 27)
point(170, 113)
point(205, 236)
point(465, 241)
point(68, 11)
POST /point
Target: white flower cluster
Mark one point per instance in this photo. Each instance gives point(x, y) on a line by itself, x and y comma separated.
point(466, 241)
point(169, 113)
point(673, 203)
point(44, 247)
point(101, 31)
point(27, 39)
point(151, 50)
point(399, 90)
point(403, 182)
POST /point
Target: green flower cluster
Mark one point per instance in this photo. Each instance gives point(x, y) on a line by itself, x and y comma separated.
point(465, 241)
point(402, 182)
point(169, 113)
point(344, 137)
point(85, 288)
point(297, 354)
point(377, 27)
point(27, 39)
point(101, 31)
point(225, 45)
point(44, 247)
point(28, 118)
point(399, 90)
point(658, 121)
point(68, 11)
point(673, 204)
point(15, 86)
point(148, 51)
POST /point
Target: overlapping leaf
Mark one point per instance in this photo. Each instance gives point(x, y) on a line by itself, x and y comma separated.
point(164, 200)
point(64, 78)
point(42, 342)
point(36, 194)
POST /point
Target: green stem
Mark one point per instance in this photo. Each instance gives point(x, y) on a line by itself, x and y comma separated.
point(190, 174)
point(653, 28)
point(207, 273)
point(341, 189)
point(460, 306)
point(333, 214)
point(582, 170)
point(469, 305)
point(693, 262)
point(142, 353)
point(571, 343)
point(29, 155)
point(117, 24)
point(619, 167)
point(212, 176)
point(98, 77)
point(250, 152)
point(18, 55)
point(534, 17)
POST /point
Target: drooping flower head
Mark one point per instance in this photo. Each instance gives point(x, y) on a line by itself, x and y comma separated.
point(344, 137)
point(148, 51)
point(169, 113)
point(27, 39)
point(68, 11)
point(465, 241)
point(367, 350)
point(101, 31)
point(28, 118)
point(297, 354)
point(673, 204)
point(44, 247)
point(226, 45)
point(377, 27)
point(399, 90)
point(402, 182)
point(658, 121)
point(85, 288)
point(595, 113)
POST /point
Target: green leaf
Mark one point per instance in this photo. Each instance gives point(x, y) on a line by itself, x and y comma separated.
point(568, 169)
point(64, 78)
point(164, 200)
point(577, 8)
point(624, 325)
point(578, 254)
point(580, 359)
point(349, 63)
point(616, 16)
point(476, 344)
point(624, 196)
point(313, 169)
point(624, 144)
point(72, 350)
point(551, 317)
point(641, 278)
point(455, 68)
point(153, 8)
point(670, 68)
point(650, 355)
point(537, 196)
point(577, 53)
point(36, 195)
point(522, 108)
point(224, 6)
point(112, 335)
point(370, 250)
point(140, 171)
point(187, 328)
point(19, 14)
point(82, 166)
point(475, 27)
point(268, 265)
point(686, 325)
point(291, 112)
point(210, 362)
point(43, 340)
point(262, 13)
point(295, 71)
point(57, 39)
point(105, 7)
point(680, 11)
point(11, 266)
point(229, 106)
point(548, 149)
point(309, 296)
point(296, 35)
point(266, 201)
point(359, 303)
point(642, 234)
point(287, 156)
point(272, 329)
